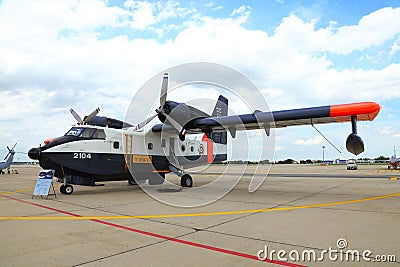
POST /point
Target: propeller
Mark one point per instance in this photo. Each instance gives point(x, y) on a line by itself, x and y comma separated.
point(164, 89)
point(163, 97)
point(163, 100)
point(143, 123)
point(173, 113)
point(76, 116)
point(87, 119)
point(10, 151)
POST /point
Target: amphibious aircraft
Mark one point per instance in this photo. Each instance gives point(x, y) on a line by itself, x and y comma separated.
point(105, 149)
point(394, 161)
point(8, 160)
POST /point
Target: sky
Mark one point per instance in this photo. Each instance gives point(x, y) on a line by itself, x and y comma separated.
point(62, 54)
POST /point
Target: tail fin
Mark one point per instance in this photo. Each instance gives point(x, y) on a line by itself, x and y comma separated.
point(220, 109)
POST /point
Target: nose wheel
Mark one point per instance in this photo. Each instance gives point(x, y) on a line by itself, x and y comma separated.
point(186, 180)
point(66, 189)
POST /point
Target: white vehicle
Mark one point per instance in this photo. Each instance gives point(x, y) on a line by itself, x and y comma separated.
point(352, 165)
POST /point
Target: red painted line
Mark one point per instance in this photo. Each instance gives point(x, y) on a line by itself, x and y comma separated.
point(176, 240)
point(41, 206)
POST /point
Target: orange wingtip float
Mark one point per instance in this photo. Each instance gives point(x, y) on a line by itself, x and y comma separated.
point(365, 111)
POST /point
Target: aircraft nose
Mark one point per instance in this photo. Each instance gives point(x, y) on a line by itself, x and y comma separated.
point(34, 153)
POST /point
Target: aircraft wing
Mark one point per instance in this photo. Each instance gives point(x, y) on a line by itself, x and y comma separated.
point(362, 111)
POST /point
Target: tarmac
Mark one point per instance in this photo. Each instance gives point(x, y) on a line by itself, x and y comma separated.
point(302, 215)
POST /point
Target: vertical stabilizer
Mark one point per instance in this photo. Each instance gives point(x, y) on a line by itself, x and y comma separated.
point(220, 109)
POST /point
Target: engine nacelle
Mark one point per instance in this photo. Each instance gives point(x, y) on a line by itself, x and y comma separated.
point(108, 122)
point(179, 114)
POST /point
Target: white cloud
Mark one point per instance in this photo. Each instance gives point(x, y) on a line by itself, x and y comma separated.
point(395, 47)
point(241, 10)
point(372, 30)
point(172, 9)
point(141, 14)
point(310, 141)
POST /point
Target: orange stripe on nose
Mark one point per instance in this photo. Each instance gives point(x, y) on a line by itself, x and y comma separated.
point(48, 140)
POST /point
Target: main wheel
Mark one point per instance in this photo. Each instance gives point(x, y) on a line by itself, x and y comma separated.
point(132, 182)
point(62, 189)
point(69, 189)
point(186, 180)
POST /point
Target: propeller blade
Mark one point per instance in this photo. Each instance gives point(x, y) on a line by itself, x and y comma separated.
point(164, 89)
point(76, 116)
point(91, 115)
point(145, 122)
point(6, 156)
point(10, 150)
point(13, 146)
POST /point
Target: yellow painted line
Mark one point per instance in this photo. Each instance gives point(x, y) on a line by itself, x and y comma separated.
point(203, 214)
point(15, 191)
point(387, 171)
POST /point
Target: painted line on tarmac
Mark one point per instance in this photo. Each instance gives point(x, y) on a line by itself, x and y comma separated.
point(203, 214)
point(16, 191)
point(167, 238)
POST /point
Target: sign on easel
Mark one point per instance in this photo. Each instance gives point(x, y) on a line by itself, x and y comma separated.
point(43, 184)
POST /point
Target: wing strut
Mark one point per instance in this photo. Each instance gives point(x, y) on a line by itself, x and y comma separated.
point(325, 137)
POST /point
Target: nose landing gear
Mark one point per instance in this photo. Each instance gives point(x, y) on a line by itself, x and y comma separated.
point(66, 189)
point(186, 180)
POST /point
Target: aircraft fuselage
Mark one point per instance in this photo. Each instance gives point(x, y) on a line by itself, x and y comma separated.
point(107, 154)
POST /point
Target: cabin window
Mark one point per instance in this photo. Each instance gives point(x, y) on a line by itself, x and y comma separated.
point(191, 148)
point(150, 146)
point(99, 134)
point(87, 133)
point(116, 145)
point(162, 142)
point(183, 147)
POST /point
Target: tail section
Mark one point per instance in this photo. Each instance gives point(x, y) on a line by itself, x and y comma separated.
point(10, 155)
point(220, 109)
point(217, 141)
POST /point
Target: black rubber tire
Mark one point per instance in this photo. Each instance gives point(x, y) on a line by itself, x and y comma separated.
point(186, 180)
point(131, 182)
point(69, 189)
point(62, 189)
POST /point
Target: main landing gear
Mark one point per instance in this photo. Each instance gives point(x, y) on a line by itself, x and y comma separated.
point(186, 179)
point(66, 189)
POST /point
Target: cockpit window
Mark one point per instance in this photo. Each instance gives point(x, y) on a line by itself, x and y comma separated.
point(75, 131)
point(87, 133)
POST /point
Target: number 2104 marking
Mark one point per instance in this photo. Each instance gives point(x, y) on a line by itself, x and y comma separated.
point(82, 155)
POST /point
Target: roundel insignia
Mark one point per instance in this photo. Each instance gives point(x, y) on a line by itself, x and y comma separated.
point(201, 149)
